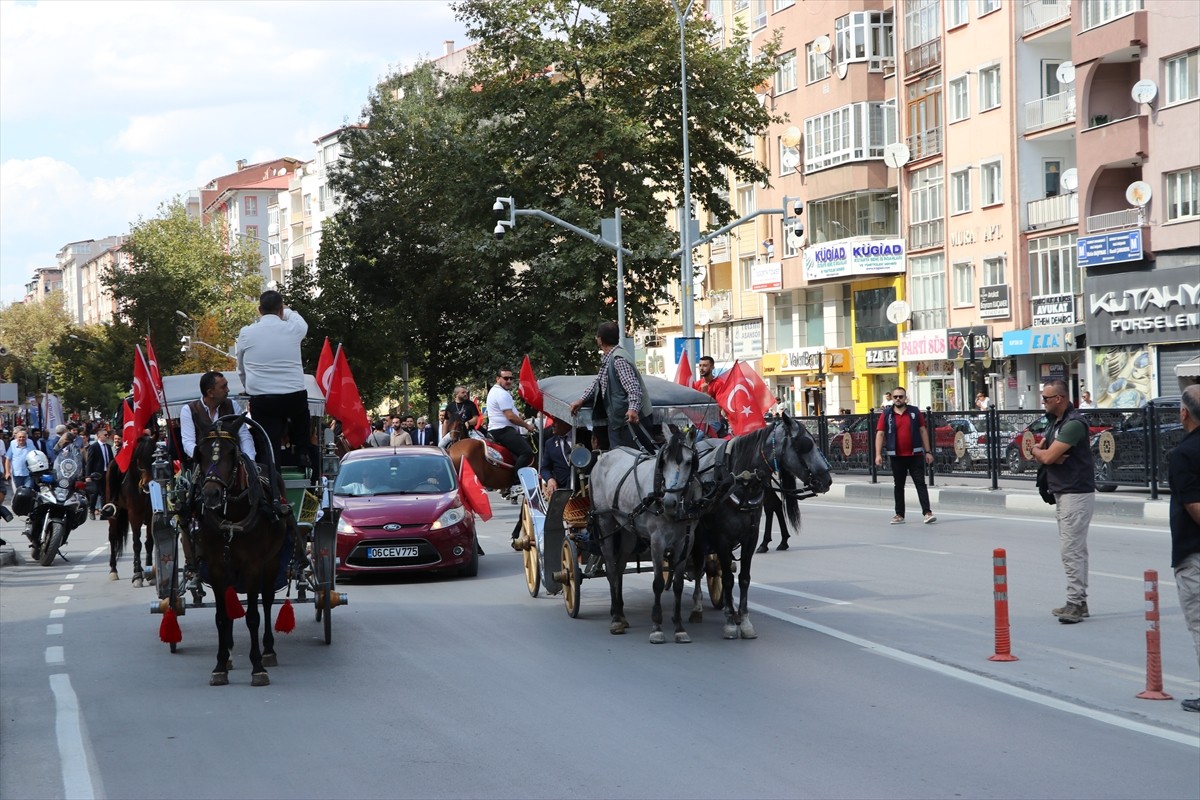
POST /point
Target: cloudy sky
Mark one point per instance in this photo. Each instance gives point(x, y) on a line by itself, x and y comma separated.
point(108, 109)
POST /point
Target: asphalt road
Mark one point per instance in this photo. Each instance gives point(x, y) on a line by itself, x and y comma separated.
point(870, 678)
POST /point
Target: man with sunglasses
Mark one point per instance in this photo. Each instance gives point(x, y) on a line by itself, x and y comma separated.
point(505, 424)
point(903, 435)
point(1066, 453)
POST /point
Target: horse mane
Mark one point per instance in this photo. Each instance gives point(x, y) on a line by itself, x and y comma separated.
point(142, 460)
point(745, 452)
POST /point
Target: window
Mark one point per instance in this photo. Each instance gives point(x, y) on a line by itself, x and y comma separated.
point(865, 36)
point(956, 13)
point(785, 72)
point(924, 98)
point(745, 201)
point(814, 318)
point(870, 315)
point(991, 189)
point(746, 268)
point(1053, 265)
point(925, 194)
point(989, 88)
point(250, 206)
point(964, 284)
point(759, 15)
point(960, 191)
point(1101, 12)
point(791, 245)
point(739, 5)
point(322, 194)
point(927, 286)
point(308, 204)
point(252, 232)
point(818, 65)
point(785, 323)
point(851, 133)
point(960, 102)
point(865, 213)
point(988, 6)
point(993, 271)
point(921, 23)
point(780, 5)
point(1182, 194)
point(1181, 83)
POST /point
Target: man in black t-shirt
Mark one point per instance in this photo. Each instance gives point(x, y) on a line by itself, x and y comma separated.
point(461, 416)
point(1185, 519)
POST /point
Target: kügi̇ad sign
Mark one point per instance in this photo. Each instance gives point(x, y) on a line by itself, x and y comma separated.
point(847, 257)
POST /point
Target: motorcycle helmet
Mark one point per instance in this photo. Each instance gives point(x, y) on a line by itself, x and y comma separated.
point(37, 463)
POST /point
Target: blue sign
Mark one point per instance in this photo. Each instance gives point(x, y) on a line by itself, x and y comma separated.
point(681, 342)
point(1055, 339)
point(1110, 248)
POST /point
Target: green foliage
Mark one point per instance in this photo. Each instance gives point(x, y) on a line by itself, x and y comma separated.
point(28, 331)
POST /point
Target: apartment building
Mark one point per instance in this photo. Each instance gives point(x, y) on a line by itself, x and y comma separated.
point(82, 286)
point(98, 306)
point(44, 281)
point(238, 202)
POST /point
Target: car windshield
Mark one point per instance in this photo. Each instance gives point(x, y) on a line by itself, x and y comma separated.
point(430, 474)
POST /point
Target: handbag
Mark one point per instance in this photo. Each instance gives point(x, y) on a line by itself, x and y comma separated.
point(1043, 485)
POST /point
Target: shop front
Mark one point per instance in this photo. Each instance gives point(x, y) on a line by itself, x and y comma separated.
point(1042, 354)
point(970, 348)
point(812, 381)
point(928, 373)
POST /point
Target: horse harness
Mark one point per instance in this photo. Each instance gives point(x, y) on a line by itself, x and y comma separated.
point(253, 490)
point(652, 502)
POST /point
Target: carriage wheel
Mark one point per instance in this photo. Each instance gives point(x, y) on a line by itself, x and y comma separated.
point(327, 583)
point(716, 593)
point(570, 563)
point(533, 573)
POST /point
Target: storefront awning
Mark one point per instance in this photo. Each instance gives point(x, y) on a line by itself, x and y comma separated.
point(1188, 369)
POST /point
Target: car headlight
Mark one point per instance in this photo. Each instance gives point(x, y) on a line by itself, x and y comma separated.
point(344, 527)
point(452, 516)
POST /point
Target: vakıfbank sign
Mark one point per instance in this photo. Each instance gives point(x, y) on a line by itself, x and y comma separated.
point(847, 257)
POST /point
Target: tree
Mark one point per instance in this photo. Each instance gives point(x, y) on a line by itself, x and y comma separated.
point(90, 367)
point(28, 330)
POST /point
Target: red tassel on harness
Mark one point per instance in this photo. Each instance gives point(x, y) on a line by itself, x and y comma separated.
point(233, 606)
point(285, 620)
point(168, 629)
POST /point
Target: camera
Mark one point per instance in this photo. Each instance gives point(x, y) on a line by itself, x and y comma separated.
point(498, 232)
point(797, 207)
point(498, 209)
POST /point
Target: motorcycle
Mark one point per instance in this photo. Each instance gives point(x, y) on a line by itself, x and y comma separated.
point(56, 506)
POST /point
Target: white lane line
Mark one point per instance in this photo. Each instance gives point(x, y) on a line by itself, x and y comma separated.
point(74, 576)
point(97, 551)
point(54, 629)
point(61, 600)
point(66, 587)
point(941, 512)
point(982, 681)
point(806, 595)
point(910, 549)
point(54, 655)
point(1138, 578)
point(77, 780)
point(57, 613)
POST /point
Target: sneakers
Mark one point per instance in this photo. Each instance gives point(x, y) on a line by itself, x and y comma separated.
point(1191, 705)
point(929, 517)
point(897, 520)
point(1071, 613)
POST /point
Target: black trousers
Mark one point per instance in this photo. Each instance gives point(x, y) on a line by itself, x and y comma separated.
point(913, 465)
point(281, 414)
point(517, 444)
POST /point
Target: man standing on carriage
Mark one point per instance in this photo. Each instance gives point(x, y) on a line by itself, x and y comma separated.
point(618, 396)
point(504, 422)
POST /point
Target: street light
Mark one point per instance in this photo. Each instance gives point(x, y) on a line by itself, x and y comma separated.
point(685, 218)
point(186, 343)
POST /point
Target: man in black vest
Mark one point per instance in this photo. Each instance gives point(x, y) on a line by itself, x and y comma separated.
point(1070, 472)
point(197, 417)
point(620, 403)
point(902, 434)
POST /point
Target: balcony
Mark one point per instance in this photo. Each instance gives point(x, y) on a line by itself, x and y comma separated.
point(924, 235)
point(925, 143)
point(1121, 220)
point(1052, 212)
point(922, 57)
point(1044, 13)
point(1103, 144)
point(718, 249)
point(1051, 111)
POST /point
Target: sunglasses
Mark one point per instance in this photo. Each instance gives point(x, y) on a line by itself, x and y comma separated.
point(506, 377)
point(1048, 397)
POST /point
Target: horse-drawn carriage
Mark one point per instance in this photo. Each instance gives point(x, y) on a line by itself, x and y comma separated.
point(306, 558)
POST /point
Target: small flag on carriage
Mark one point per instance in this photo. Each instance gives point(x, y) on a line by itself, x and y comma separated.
point(529, 390)
point(472, 492)
point(145, 404)
point(325, 368)
point(683, 374)
point(344, 404)
point(155, 375)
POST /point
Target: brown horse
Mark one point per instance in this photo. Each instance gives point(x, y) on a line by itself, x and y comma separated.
point(129, 493)
point(491, 462)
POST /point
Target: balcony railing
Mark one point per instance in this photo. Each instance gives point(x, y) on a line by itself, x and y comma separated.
point(925, 143)
point(1114, 220)
point(922, 235)
point(1053, 211)
point(1046, 112)
point(1042, 13)
point(923, 57)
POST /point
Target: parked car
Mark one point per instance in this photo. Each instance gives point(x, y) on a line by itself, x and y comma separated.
point(946, 437)
point(401, 512)
point(1120, 452)
point(849, 447)
point(1014, 453)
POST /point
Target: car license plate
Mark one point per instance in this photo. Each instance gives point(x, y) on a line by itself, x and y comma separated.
point(409, 551)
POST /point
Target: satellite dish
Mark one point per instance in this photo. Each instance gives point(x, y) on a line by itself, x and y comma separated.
point(791, 137)
point(699, 273)
point(1138, 193)
point(1065, 73)
point(896, 155)
point(1070, 180)
point(1144, 91)
point(821, 45)
point(898, 311)
point(843, 69)
point(703, 317)
point(790, 158)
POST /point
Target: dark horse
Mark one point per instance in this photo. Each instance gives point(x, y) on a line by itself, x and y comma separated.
point(241, 543)
point(129, 493)
point(737, 476)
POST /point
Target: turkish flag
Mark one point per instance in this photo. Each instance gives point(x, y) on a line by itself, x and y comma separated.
point(344, 404)
point(325, 368)
point(745, 398)
point(529, 390)
point(155, 375)
point(472, 492)
point(683, 375)
point(129, 436)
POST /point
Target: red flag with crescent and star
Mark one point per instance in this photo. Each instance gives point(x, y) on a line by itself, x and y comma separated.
point(155, 375)
point(325, 368)
point(745, 398)
point(344, 403)
point(471, 491)
point(145, 404)
point(529, 390)
point(683, 374)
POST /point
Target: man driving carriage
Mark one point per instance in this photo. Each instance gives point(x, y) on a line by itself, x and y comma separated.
point(618, 396)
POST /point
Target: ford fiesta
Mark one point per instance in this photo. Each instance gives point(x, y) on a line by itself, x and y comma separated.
point(401, 513)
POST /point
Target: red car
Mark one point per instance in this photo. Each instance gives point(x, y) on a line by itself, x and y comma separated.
point(1015, 452)
point(401, 512)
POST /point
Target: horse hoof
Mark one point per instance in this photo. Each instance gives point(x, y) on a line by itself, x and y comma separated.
point(658, 637)
point(270, 660)
point(681, 637)
point(112, 576)
point(260, 679)
point(747, 630)
point(782, 546)
point(617, 628)
point(138, 583)
point(762, 548)
point(730, 632)
point(219, 679)
point(696, 617)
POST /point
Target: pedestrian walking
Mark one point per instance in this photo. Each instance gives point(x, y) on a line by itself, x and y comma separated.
point(1066, 453)
point(1184, 473)
point(98, 455)
point(903, 435)
point(15, 469)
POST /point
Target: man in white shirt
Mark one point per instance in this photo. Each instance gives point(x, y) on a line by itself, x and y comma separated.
point(504, 422)
point(268, 354)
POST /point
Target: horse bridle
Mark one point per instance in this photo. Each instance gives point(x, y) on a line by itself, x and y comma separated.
point(773, 463)
point(211, 475)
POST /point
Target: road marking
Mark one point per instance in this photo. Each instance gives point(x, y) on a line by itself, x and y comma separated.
point(54, 655)
point(54, 629)
point(794, 593)
point(66, 587)
point(77, 780)
point(57, 613)
point(1133, 527)
point(61, 599)
point(1138, 578)
point(74, 576)
point(97, 551)
point(910, 549)
point(981, 680)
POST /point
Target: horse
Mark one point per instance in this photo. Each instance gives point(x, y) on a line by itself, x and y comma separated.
point(638, 498)
point(492, 463)
point(129, 494)
point(737, 477)
point(241, 542)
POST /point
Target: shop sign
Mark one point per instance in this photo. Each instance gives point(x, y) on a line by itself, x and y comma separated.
point(846, 257)
point(923, 345)
point(1053, 309)
point(993, 302)
point(766, 276)
point(1110, 248)
point(962, 342)
point(747, 339)
point(882, 357)
point(1143, 307)
point(1055, 339)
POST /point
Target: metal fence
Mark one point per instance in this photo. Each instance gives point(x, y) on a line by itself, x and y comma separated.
point(1130, 447)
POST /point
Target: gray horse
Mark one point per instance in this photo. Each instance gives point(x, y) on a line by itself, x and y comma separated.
point(639, 498)
point(736, 476)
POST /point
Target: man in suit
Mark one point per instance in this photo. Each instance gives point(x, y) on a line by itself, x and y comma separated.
point(99, 454)
point(555, 464)
point(423, 433)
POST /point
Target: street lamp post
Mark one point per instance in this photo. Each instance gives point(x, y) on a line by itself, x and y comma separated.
point(685, 218)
